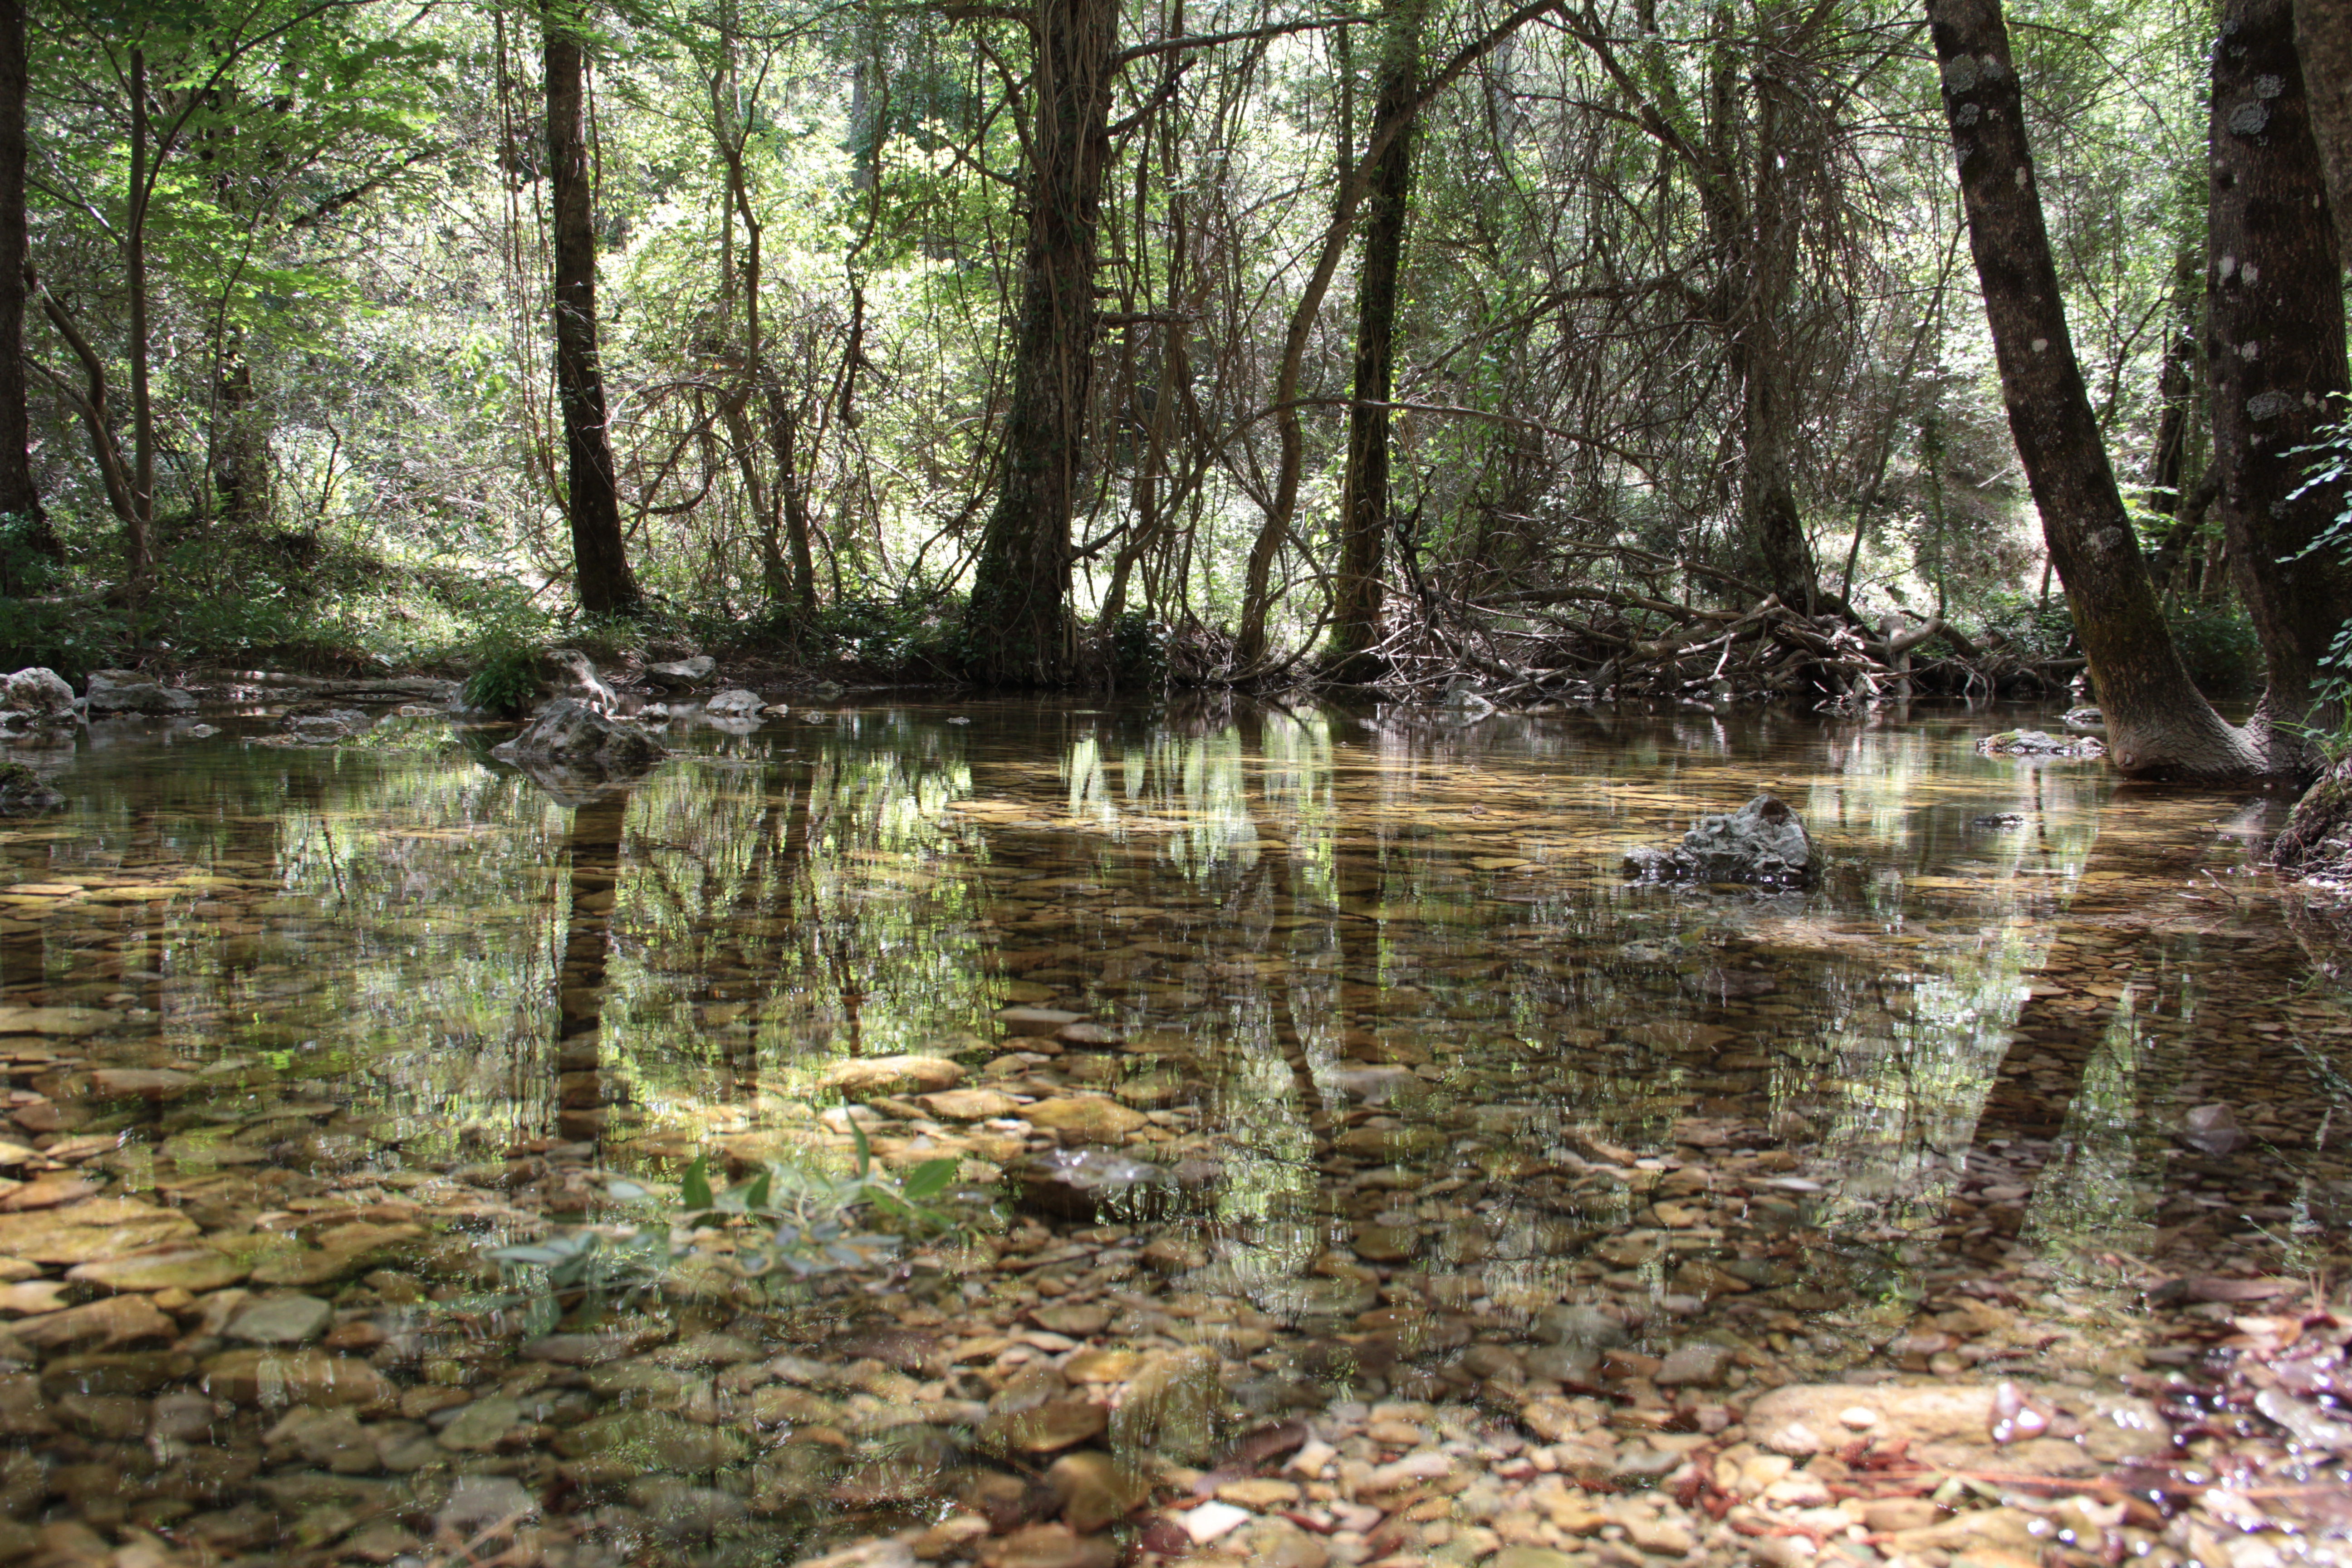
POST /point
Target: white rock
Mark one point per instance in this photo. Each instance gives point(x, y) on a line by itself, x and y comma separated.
point(1212, 1520)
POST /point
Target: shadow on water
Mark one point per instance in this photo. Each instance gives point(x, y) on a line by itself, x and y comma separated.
point(324, 1024)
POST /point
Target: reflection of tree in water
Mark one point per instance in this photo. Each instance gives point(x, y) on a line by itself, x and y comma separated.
point(592, 868)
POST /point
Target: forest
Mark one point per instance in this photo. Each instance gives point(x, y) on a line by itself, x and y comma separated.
point(1569, 352)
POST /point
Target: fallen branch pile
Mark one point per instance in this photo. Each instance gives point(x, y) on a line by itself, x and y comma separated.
point(1633, 643)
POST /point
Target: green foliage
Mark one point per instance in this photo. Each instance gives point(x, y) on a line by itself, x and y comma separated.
point(506, 680)
point(2331, 468)
point(1138, 648)
point(2039, 630)
point(791, 1221)
point(890, 633)
point(2217, 643)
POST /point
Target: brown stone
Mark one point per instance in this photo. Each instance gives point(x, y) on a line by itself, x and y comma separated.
point(104, 1325)
point(272, 1378)
point(88, 1232)
point(897, 1074)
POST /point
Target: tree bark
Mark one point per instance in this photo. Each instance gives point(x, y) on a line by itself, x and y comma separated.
point(2323, 36)
point(1364, 501)
point(2277, 326)
point(2176, 393)
point(1017, 624)
point(241, 447)
point(139, 541)
point(1763, 260)
point(599, 553)
point(18, 495)
point(2157, 721)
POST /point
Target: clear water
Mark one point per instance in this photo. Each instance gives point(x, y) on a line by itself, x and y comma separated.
point(393, 963)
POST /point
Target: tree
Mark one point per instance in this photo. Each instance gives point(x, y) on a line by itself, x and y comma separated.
point(1018, 624)
point(18, 495)
point(2157, 721)
point(1364, 501)
point(2277, 324)
point(2323, 36)
point(591, 493)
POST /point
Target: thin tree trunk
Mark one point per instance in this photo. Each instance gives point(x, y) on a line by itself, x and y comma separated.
point(1017, 622)
point(18, 495)
point(2323, 36)
point(2276, 314)
point(138, 544)
point(599, 554)
point(2176, 391)
point(241, 453)
point(2157, 721)
point(791, 490)
point(1364, 504)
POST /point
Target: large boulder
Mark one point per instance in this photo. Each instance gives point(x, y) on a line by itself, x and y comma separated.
point(41, 695)
point(570, 738)
point(1763, 841)
point(123, 691)
point(682, 675)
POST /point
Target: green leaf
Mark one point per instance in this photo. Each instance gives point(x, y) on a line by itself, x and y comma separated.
point(865, 1148)
point(928, 1179)
point(696, 1192)
point(757, 1198)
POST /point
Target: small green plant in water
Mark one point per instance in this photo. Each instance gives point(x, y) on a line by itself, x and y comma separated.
point(789, 1221)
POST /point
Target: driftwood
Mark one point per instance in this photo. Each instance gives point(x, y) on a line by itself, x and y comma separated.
point(1629, 640)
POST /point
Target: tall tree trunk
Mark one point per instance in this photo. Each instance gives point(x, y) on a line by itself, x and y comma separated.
point(2176, 393)
point(1018, 620)
point(2157, 721)
point(139, 538)
point(19, 497)
point(2323, 36)
point(599, 554)
point(2276, 314)
point(1364, 504)
point(1763, 265)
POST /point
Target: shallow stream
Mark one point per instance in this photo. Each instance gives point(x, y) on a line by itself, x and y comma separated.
point(321, 1024)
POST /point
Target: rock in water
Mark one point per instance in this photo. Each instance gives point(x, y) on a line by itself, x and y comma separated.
point(41, 695)
point(682, 675)
point(735, 701)
point(1087, 1184)
point(122, 692)
point(572, 739)
point(2086, 721)
point(1763, 841)
point(23, 792)
point(2040, 744)
point(566, 672)
point(2212, 1130)
point(321, 723)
